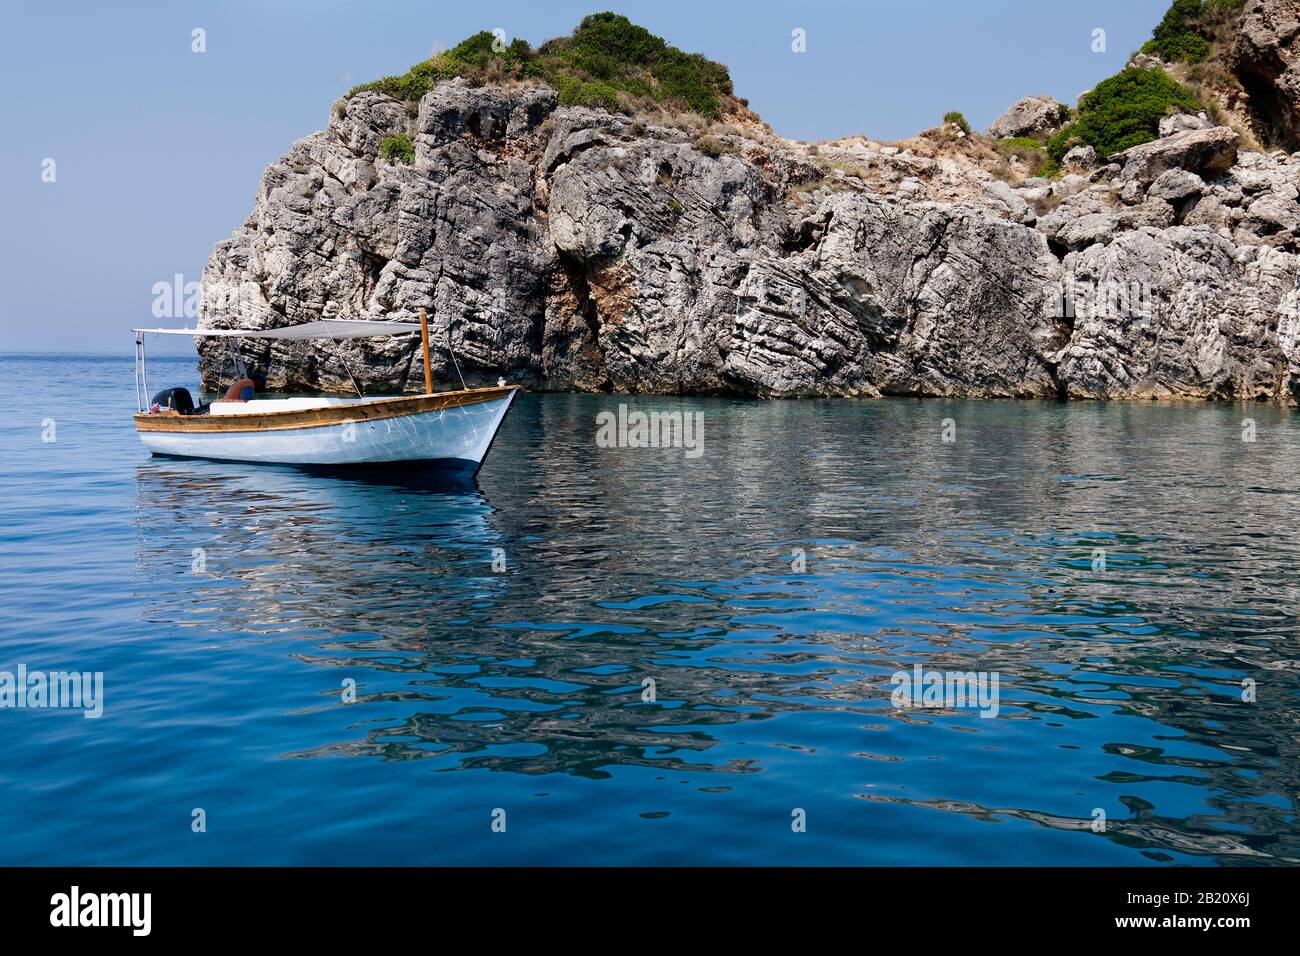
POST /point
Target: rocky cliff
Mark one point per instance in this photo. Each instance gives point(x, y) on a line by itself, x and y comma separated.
point(571, 247)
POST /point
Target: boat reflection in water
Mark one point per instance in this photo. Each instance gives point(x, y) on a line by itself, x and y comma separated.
point(278, 549)
point(401, 582)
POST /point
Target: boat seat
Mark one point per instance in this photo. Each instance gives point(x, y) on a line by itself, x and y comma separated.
point(258, 406)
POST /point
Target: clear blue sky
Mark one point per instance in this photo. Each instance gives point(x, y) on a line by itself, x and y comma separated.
point(158, 150)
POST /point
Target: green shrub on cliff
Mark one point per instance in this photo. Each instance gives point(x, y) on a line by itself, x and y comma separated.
point(1030, 152)
point(397, 148)
point(1182, 48)
point(574, 92)
point(958, 120)
point(1189, 28)
point(1016, 145)
point(1123, 111)
point(473, 57)
point(606, 56)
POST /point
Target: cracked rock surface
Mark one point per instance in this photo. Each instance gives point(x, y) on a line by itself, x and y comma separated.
point(570, 248)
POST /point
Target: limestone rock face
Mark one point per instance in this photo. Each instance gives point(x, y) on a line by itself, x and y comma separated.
point(1182, 122)
point(570, 248)
point(1211, 331)
point(1176, 184)
point(900, 299)
point(1209, 151)
point(1266, 58)
point(1027, 116)
point(1083, 157)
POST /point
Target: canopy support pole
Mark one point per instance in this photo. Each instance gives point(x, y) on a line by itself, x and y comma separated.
point(424, 342)
point(139, 400)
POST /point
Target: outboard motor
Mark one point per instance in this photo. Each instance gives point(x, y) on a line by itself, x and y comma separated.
point(177, 399)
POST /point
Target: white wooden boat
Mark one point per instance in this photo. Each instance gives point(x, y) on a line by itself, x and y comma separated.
point(452, 430)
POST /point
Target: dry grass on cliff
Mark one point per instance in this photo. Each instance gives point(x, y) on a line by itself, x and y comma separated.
point(1011, 165)
point(849, 167)
point(1195, 44)
point(949, 141)
point(1214, 84)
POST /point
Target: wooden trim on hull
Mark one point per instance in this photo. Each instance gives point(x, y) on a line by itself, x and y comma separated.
point(369, 411)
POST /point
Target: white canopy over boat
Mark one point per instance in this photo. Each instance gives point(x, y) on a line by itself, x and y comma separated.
point(334, 329)
point(323, 329)
point(448, 428)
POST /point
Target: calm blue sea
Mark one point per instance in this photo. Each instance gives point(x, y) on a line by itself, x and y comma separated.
point(1127, 571)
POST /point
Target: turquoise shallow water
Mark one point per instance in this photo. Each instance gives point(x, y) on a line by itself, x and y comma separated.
point(520, 690)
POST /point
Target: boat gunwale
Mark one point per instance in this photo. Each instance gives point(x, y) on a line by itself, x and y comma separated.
point(373, 409)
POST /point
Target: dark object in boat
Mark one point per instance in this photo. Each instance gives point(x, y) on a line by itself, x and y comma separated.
point(177, 399)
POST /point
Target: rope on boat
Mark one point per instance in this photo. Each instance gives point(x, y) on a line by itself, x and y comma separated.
point(349, 371)
point(452, 353)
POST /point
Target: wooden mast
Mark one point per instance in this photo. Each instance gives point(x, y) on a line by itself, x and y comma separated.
point(424, 341)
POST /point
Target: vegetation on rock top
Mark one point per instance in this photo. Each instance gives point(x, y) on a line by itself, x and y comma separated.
point(958, 120)
point(1190, 28)
point(1122, 112)
point(608, 62)
point(612, 63)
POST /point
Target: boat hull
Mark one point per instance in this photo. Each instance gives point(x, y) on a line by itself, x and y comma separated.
point(452, 429)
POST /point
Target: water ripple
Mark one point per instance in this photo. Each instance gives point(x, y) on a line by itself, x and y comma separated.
point(676, 653)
